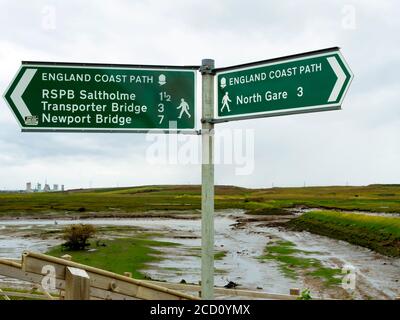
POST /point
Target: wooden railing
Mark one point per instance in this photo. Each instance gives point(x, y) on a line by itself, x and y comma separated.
point(77, 281)
point(32, 295)
point(74, 281)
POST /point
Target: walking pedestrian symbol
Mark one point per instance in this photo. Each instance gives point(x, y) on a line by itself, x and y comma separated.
point(225, 102)
point(184, 108)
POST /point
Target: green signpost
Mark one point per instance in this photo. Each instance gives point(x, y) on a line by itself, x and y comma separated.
point(303, 83)
point(100, 98)
point(115, 98)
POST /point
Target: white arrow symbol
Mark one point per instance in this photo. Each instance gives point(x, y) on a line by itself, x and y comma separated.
point(16, 95)
point(341, 77)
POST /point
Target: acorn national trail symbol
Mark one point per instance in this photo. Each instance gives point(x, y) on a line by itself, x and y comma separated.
point(309, 82)
point(103, 98)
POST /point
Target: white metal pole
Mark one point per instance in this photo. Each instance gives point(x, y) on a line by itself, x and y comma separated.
point(207, 181)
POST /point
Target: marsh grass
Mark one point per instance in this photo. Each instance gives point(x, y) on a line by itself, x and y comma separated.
point(381, 234)
point(119, 255)
point(131, 200)
point(292, 262)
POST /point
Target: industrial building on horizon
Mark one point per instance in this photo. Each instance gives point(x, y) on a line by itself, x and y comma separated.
point(46, 188)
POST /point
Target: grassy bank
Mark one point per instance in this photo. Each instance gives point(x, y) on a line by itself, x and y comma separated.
point(293, 261)
point(118, 255)
point(381, 234)
point(118, 201)
point(187, 198)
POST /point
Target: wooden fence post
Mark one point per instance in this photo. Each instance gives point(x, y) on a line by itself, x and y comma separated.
point(77, 284)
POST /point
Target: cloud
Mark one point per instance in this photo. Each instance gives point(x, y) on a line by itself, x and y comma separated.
point(358, 144)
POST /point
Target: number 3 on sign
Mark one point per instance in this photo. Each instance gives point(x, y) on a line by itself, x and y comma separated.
point(300, 91)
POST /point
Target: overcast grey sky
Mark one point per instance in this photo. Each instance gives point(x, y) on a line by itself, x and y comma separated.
point(357, 145)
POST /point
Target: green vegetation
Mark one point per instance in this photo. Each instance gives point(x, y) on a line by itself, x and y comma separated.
point(162, 200)
point(76, 236)
point(381, 234)
point(305, 295)
point(118, 255)
point(292, 261)
point(111, 202)
point(219, 255)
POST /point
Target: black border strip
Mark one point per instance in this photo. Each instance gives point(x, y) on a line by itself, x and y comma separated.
point(113, 65)
point(293, 56)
